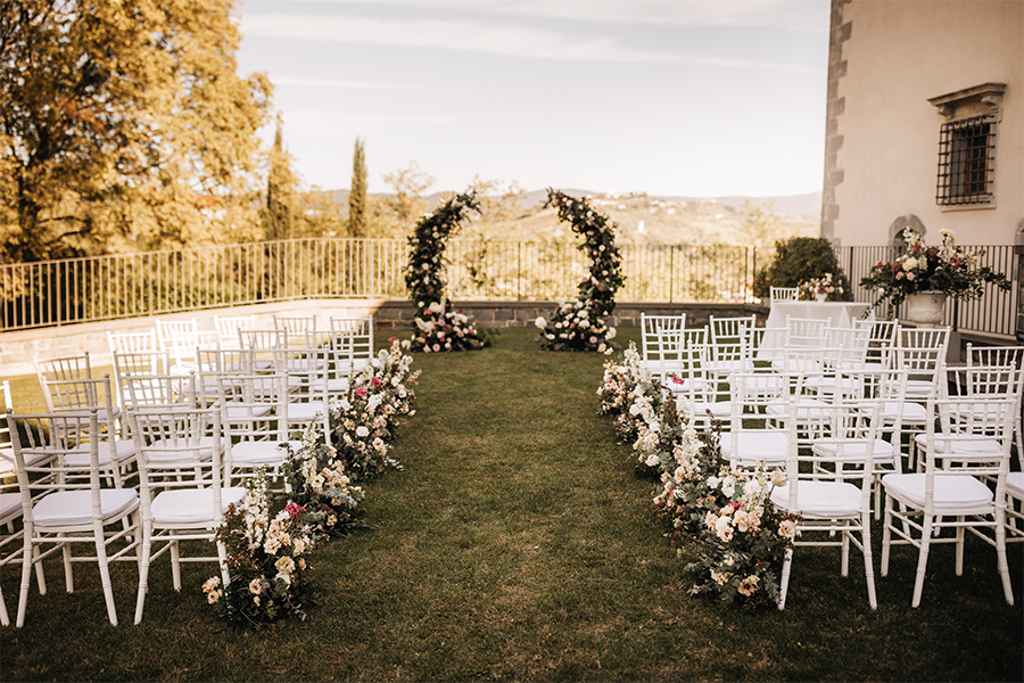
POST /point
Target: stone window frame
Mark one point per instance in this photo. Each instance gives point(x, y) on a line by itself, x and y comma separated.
point(983, 100)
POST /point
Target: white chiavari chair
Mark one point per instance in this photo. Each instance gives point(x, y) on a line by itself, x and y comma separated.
point(729, 350)
point(227, 327)
point(882, 340)
point(212, 364)
point(10, 537)
point(306, 371)
point(652, 341)
point(182, 491)
point(697, 396)
point(264, 344)
point(784, 294)
point(354, 335)
point(64, 503)
point(951, 492)
point(339, 357)
point(295, 328)
point(6, 450)
point(179, 339)
point(664, 353)
point(1008, 357)
point(845, 350)
point(805, 333)
point(170, 392)
point(754, 437)
point(828, 499)
point(768, 344)
point(254, 412)
point(921, 353)
point(136, 363)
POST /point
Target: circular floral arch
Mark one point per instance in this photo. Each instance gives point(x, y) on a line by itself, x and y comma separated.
point(439, 327)
point(581, 324)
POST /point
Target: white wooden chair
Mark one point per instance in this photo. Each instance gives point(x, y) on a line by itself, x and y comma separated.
point(339, 356)
point(882, 335)
point(254, 412)
point(227, 327)
point(182, 493)
point(64, 504)
point(754, 437)
point(655, 357)
point(179, 339)
point(729, 350)
point(1008, 357)
point(784, 294)
point(264, 344)
point(354, 336)
point(828, 499)
point(921, 353)
point(308, 400)
point(950, 493)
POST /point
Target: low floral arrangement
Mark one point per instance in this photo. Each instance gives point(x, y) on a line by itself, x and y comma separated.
point(947, 268)
point(580, 325)
point(722, 519)
point(315, 478)
point(439, 327)
point(824, 287)
point(266, 560)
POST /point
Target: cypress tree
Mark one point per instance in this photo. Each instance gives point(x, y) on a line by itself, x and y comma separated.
point(357, 194)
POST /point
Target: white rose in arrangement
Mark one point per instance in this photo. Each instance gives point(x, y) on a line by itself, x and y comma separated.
point(362, 432)
point(611, 334)
point(540, 323)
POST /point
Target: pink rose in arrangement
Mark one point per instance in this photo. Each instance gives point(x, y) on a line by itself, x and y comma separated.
point(375, 382)
point(293, 509)
point(361, 392)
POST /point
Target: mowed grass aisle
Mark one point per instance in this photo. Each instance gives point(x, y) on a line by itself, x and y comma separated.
point(518, 544)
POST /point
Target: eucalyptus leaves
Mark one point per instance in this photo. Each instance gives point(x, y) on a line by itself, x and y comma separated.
point(439, 327)
point(581, 325)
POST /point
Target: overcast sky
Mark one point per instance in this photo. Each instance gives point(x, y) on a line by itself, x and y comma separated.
point(691, 97)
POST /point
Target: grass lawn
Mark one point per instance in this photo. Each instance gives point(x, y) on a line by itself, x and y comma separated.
point(518, 543)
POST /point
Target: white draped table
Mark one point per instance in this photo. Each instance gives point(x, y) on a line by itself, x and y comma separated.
point(838, 313)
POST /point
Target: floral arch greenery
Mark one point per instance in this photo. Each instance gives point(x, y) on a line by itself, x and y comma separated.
point(577, 325)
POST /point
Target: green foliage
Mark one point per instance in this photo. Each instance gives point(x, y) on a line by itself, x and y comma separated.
point(125, 126)
point(357, 195)
point(797, 260)
point(281, 185)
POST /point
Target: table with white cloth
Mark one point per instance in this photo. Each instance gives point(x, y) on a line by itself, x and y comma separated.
point(838, 313)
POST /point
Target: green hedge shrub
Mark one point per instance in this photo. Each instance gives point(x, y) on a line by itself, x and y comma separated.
point(799, 259)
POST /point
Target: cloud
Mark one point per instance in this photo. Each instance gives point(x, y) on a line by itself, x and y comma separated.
point(289, 81)
point(505, 39)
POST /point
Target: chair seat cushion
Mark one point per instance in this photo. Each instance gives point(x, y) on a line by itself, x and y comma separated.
point(919, 387)
point(333, 384)
point(192, 506)
point(805, 408)
point(911, 412)
point(101, 414)
point(305, 411)
point(246, 412)
point(180, 453)
point(32, 457)
point(754, 446)
point(252, 453)
point(122, 449)
point(10, 503)
point(831, 383)
point(678, 385)
point(952, 491)
point(716, 408)
point(1015, 484)
point(854, 451)
point(821, 499)
point(662, 366)
point(74, 508)
point(960, 443)
point(728, 366)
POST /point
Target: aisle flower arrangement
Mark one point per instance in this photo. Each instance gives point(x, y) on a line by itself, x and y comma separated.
point(722, 518)
point(439, 326)
point(947, 268)
point(268, 537)
point(581, 324)
point(266, 560)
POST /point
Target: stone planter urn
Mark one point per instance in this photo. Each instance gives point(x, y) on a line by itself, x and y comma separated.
point(821, 298)
point(926, 308)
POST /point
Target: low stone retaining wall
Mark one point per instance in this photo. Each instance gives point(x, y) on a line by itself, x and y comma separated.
point(523, 313)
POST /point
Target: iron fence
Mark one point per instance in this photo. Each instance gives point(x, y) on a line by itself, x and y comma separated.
point(115, 286)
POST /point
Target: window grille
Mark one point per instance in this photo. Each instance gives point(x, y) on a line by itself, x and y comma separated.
point(967, 150)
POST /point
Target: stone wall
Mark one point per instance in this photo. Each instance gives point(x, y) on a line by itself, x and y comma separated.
point(523, 313)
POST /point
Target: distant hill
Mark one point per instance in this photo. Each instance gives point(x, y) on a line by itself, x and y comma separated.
point(644, 218)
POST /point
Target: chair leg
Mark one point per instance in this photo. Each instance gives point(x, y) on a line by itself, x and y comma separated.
point(878, 498)
point(961, 534)
point(176, 565)
point(1004, 568)
point(222, 558)
point(922, 560)
point(845, 554)
point(886, 537)
point(101, 559)
point(69, 572)
point(869, 564)
point(40, 571)
point(27, 556)
point(787, 565)
point(144, 552)
point(5, 619)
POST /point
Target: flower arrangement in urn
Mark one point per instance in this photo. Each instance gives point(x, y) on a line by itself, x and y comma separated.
point(821, 288)
point(925, 275)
